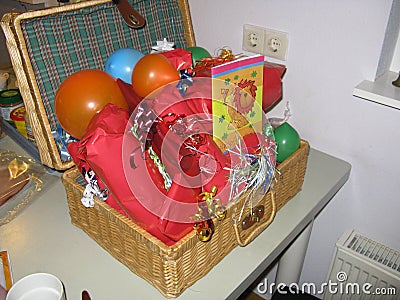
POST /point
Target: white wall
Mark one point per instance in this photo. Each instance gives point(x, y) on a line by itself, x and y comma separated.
point(333, 45)
point(7, 6)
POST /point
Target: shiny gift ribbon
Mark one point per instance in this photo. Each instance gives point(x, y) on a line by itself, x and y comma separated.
point(185, 82)
point(208, 205)
point(206, 63)
point(214, 205)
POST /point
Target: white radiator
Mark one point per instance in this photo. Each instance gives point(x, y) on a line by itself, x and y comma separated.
point(362, 268)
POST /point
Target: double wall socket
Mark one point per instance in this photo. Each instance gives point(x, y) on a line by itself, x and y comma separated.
point(268, 42)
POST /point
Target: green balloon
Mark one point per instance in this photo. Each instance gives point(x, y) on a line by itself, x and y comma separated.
point(198, 53)
point(287, 141)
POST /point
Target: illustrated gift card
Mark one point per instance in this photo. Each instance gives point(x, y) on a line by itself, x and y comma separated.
point(237, 100)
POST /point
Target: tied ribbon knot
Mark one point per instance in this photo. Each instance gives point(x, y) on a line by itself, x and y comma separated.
point(206, 63)
point(226, 54)
point(209, 205)
point(163, 45)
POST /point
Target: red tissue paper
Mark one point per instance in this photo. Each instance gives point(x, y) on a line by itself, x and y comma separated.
point(101, 150)
point(181, 59)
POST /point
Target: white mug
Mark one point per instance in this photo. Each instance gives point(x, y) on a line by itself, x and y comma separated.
point(3, 80)
point(37, 286)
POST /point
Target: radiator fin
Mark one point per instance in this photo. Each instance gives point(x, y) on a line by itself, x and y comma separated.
point(375, 251)
point(362, 260)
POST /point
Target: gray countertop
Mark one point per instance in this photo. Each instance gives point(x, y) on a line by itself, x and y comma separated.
point(42, 239)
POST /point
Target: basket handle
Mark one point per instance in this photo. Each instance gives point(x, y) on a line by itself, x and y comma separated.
point(131, 17)
point(259, 229)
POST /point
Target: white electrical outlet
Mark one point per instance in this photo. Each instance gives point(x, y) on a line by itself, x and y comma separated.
point(276, 43)
point(269, 42)
point(253, 38)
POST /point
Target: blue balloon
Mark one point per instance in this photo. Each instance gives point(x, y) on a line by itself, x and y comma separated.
point(121, 62)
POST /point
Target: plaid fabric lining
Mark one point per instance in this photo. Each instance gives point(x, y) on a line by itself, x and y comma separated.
point(64, 43)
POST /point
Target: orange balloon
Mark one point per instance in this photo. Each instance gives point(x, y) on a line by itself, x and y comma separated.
point(151, 72)
point(82, 95)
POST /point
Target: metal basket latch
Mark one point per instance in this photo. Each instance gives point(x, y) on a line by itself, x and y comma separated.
point(131, 17)
point(253, 217)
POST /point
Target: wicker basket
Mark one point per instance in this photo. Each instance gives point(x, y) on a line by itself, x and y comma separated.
point(97, 29)
point(172, 269)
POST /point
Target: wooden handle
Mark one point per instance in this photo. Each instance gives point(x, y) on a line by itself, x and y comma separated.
point(131, 17)
point(257, 230)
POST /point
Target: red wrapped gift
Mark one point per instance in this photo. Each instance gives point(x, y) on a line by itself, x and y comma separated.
point(181, 59)
point(131, 97)
point(102, 150)
point(272, 86)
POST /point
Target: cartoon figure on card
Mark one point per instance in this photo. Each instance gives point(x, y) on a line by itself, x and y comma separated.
point(243, 100)
point(92, 189)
